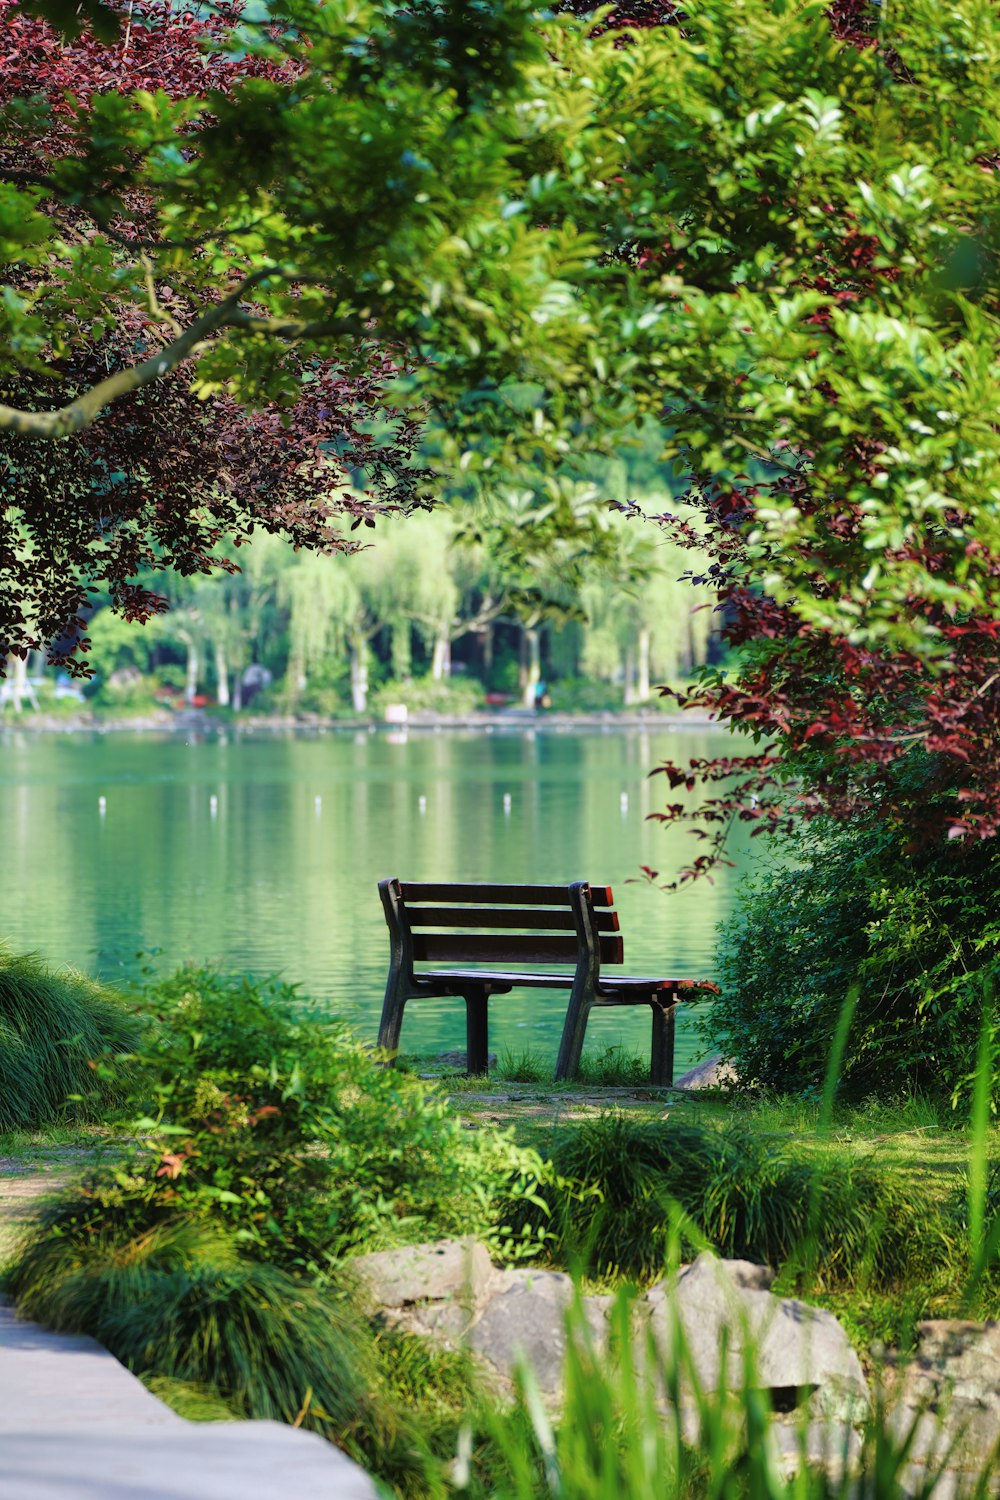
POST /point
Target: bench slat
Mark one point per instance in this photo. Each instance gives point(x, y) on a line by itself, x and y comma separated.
point(487, 948)
point(500, 895)
point(473, 916)
point(686, 989)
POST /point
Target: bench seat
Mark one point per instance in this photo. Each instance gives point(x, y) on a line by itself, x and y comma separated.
point(500, 981)
point(576, 925)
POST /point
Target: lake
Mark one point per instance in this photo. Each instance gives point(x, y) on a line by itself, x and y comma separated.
point(263, 852)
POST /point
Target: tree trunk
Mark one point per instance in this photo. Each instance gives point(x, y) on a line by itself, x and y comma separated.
point(402, 656)
point(629, 696)
point(359, 673)
point(191, 676)
point(237, 692)
point(16, 686)
point(531, 665)
point(221, 675)
point(441, 659)
point(642, 688)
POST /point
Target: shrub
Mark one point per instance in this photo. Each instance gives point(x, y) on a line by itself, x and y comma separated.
point(586, 695)
point(917, 932)
point(453, 695)
point(748, 1197)
point(55, 1028)
point(265, 1116)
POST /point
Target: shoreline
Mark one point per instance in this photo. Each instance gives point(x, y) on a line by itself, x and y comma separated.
point(199, 721)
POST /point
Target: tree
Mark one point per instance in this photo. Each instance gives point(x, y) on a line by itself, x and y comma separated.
point(165, 475)
point(816, 208)
point(771, 233)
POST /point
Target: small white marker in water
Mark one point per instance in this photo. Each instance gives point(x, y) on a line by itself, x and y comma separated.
point(421, 805)
point(623, 800)
point(318, 805)
point(102, 805)
point(506, 804)
point(213, 806)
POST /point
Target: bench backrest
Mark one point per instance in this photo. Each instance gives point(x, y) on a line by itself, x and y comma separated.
point(502, 924)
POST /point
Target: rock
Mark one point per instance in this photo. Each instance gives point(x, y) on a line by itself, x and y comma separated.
point(432, 1288)
point(951, 1390)
point(713, 1073)
point(801, 1352)
point(834, 1447)
point(526, 1319)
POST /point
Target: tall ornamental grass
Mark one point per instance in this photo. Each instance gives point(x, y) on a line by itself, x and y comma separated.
point(618, 1178)
point(633, 1425)
point(57, 1028)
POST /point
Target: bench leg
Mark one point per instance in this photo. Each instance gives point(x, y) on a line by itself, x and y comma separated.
point(573, 1034)
point(391, 1023)
point(477, 1035)
point(661, 1056)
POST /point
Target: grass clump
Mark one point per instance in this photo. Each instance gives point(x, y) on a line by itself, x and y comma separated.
point(617, 1436)
point(620, 1179)
point(58, 1030)
point(610, 1067)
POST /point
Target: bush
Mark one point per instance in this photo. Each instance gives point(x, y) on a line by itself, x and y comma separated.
point(271, 1145)
point(586, 695)
point(746, 1196)
point(454, 696)
point(264, 1116)
point(917, 932)
point(55, 1030)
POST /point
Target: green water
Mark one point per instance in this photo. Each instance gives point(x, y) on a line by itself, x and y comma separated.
point(268, 878)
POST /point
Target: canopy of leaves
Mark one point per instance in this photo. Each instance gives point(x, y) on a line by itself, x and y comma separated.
point(773, 232)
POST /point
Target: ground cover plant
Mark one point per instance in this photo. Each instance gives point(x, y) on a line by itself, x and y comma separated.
point(59, 1034)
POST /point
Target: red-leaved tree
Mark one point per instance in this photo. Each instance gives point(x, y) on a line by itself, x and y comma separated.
point(164, 478)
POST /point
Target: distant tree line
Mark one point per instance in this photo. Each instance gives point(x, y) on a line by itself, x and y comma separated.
point(424, 614)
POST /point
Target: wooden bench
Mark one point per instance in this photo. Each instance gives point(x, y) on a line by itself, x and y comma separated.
point(573, 926)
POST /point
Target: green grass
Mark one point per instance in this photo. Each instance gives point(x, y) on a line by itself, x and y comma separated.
point(605, 1067)
point(54, 1029)
point(86, 1139)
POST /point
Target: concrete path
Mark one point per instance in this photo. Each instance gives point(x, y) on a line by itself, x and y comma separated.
point(76, 1425)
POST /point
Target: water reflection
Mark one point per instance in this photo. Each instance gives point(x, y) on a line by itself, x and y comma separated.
point(264, 853)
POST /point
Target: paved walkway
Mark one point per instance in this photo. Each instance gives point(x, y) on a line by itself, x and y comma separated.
point(76, 1425)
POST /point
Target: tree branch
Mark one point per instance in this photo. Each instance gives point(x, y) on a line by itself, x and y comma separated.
point(299, 328)
point(82, 411)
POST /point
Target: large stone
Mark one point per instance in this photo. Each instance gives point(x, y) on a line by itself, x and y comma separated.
point(951, 1391)
point(800, 1353)
point(432, 1288)
point(526, 1321)
point(713, 1073)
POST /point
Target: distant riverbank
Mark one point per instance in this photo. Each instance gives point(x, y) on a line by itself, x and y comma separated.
point(201, 721)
